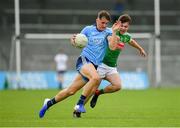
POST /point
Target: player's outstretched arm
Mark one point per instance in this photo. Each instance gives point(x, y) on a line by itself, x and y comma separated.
point(134, 44)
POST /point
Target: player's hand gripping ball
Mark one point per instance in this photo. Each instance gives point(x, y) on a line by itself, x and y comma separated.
point(80, 41)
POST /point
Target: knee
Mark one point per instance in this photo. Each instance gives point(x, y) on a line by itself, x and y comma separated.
point(96, 79)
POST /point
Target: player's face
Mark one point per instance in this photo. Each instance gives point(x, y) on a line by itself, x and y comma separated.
point(101, 23)
point(124, 27)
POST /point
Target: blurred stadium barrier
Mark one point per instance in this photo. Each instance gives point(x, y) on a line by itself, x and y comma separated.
point(48, 80)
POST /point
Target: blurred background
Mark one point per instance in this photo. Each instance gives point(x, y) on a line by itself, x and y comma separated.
point(46, 26)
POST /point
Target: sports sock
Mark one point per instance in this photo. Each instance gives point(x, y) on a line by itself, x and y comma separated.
point(81, 100)
point(51, 102)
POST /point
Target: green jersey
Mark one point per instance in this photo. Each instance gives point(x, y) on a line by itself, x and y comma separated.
point(111, 56)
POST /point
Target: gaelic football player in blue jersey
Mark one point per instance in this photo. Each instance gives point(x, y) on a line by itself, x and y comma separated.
point(91, 56)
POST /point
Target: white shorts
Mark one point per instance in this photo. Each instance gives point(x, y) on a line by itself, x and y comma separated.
point(105, 70)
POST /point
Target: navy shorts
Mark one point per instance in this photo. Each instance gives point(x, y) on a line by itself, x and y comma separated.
point(80, 62)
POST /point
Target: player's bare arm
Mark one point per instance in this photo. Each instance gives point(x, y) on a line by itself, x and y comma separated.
point(134, 44)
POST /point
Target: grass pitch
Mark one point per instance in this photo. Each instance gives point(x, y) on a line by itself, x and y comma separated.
point(139, 108)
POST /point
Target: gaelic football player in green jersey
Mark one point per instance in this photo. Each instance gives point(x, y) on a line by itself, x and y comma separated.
point(108, 69)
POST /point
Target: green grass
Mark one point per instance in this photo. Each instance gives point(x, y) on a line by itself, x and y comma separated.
point(146, 108)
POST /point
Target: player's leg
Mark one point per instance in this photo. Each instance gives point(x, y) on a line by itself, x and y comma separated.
point(88, 70)
point(77, 84)
point(91, 94)
point(78, 114)
point(115, 85)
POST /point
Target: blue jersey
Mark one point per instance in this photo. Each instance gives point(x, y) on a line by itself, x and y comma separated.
point(97, 43)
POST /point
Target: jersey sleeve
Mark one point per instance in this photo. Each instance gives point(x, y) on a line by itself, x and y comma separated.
point(85, 30)
point(129, 38)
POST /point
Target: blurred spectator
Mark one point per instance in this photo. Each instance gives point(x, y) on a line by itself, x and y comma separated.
point(118, 8)
point(61, 66)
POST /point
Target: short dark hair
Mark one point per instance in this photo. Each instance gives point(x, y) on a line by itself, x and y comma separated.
point(104, 13)
point(125, 18)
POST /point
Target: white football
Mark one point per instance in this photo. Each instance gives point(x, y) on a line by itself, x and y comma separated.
point(81, 41)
